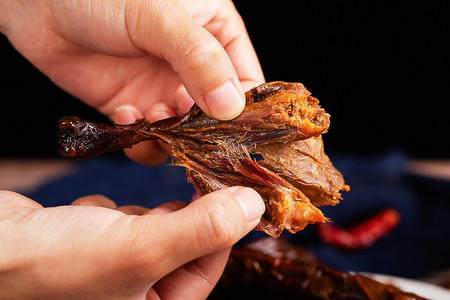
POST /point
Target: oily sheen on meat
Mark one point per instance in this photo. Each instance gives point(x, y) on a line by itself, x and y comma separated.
point(273, 146)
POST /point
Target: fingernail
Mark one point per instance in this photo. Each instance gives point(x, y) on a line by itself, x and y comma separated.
point(126, 114)
point(225, 102)
point(183, 100)
point(250, 202)
point(158, 112)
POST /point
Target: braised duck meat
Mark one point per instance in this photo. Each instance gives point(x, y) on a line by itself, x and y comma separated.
point(273, 146)
point(275, 269)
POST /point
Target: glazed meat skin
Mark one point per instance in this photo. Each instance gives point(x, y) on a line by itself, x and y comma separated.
point(273, 146)
point(275, 269)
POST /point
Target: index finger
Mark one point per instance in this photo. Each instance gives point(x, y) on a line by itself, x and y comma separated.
point(228, 27)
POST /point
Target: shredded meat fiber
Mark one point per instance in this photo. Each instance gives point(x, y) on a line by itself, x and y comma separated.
point(273, 146)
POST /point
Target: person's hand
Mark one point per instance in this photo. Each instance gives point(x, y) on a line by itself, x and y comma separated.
point(132, 59)
point(99, 252)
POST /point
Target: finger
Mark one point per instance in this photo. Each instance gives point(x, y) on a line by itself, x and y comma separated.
point(166, 208)
point(95, 200)
point(126, 114)
point(229, 29)
point(183, 100)
point(200, 60)
point(133, 209)
point(160, 111)
point(148, 152)
point(195, 280)
point(11, 199)
point(227, 26)
point(210, 224)
point(195, 196)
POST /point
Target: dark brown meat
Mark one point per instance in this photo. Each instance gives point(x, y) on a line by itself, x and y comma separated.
point(274, 269)
point(274, 146)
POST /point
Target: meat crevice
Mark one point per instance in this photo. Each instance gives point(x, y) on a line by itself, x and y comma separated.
point(281, 124)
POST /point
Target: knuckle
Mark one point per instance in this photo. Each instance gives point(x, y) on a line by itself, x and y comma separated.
point(202, 54)
point(232, 14)
point(6, 194)
point(175, 205)
point(218, 231)
point(231, 22)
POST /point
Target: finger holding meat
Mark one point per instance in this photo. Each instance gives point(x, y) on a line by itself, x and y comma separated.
point(281, 124)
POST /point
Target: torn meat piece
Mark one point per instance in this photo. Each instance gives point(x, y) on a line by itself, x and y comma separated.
point(273, 146)
point(275, 269)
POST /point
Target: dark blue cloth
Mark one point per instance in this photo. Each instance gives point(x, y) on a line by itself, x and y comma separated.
point(421, 242)
point(120, 179)
point(418, 246)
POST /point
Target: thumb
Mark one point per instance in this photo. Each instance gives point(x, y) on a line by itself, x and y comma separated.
point(203, 65)
point(210, 224)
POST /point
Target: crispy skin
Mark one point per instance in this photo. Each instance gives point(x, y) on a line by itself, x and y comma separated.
point(281, 124)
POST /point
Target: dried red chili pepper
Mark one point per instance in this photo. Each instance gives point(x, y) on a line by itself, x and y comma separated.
point(362, 235)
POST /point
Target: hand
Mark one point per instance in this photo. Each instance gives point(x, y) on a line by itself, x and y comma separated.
point(150, 55)
point(90, 252)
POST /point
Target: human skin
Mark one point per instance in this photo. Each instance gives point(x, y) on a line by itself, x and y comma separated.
point(153, 56)
point(94, 250)
point(130, 59)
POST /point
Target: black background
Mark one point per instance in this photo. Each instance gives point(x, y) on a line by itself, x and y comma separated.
point(380, 69)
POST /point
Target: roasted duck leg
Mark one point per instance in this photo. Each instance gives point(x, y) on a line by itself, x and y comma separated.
point(274, 146)
point(275, 269)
